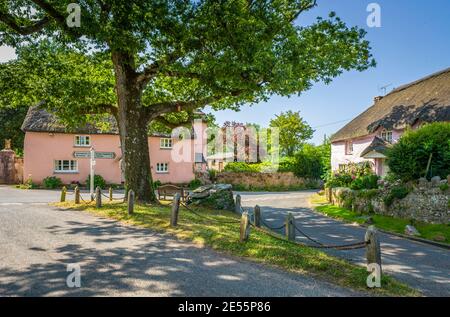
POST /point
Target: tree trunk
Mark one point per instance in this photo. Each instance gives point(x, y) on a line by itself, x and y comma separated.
point(133, 124)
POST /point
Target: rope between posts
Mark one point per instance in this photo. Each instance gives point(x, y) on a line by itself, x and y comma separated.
point(87, 202)
point(207, 218)
point(113, 197)
point(272, 228)
point(305, 235)
point(350, 246)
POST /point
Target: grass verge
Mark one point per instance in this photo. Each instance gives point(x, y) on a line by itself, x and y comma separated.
point(395, 225)
point(260, 247)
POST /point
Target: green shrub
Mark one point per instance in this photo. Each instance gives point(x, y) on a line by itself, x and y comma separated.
point(240, 167)
point(52, 182)
point(361, 174)
point(27, 185)
point(443, 187)
point(398, 192)
point(195, 183)
point(212, 175)
point(365, 182)
point(409, 157)
point(156, 184)
point(99, 181)
point(367, 193)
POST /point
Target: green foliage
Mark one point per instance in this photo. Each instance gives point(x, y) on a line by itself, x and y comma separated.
point(99, 181)
point(11, 120)
point(195, 183)
point(27, 185)
point(175, 55)
point(242, 167)
point(212, 175)
point(308, 162)
point(293, 131)
point(444, 187)
point(359, 173)
point(365, 182)
point(156, 184)
point(409, 157)
point(367, 193)
point(52, 182)
point(397, 192)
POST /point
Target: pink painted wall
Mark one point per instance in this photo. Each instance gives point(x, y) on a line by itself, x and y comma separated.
point(338, 155)
point(41, 149)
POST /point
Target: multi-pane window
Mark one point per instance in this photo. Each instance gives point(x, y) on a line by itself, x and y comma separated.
point(162, 167)
point(165, 143)
point(82, 140)
point(349, 147)
point(386, 135)
point(66, 166)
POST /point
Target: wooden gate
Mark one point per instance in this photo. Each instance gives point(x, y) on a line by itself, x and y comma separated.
point(7, 168)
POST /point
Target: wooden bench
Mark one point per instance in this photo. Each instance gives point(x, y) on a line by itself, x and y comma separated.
point(170, 191)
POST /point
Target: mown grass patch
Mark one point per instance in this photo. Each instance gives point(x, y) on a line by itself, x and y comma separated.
point(428, 231)
point(260, 247)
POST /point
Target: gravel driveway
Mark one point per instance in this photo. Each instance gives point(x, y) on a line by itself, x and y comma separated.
point(38, 241)
point(424, 267)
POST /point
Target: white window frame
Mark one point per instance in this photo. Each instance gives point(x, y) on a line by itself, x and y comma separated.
point(348, 147)
point(162, 168)
point(83, 140)
point(165, 143)
point(65, 166)
point(387, 135)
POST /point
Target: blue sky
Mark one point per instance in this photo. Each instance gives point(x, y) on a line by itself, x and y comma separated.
point(412, 42)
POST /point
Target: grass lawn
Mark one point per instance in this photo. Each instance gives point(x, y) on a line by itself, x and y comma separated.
point(427, 231)
point(260, 247)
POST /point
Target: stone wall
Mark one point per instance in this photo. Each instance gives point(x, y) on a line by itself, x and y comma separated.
point(427, 201)
point(267, 181)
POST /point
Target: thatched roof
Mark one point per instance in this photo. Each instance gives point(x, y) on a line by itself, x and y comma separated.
point(40, 120)
point(427, 100)
point(378, 145)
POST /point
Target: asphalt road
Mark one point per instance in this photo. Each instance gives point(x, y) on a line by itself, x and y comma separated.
point(420, 265)
point(37, 242)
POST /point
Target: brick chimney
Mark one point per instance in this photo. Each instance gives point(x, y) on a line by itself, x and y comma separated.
point(377, 98)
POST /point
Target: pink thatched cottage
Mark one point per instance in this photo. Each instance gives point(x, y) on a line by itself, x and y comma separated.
point(51, 149)
point(367, 137)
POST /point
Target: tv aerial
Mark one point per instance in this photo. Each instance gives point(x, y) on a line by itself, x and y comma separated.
point(384, 88)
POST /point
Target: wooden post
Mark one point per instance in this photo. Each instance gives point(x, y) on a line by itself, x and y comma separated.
point(238, 204)
point(373, 249)
point(245, 227)
point(290, 230)
point(175, 210)
point(257, 213)
point(77, 195)
point(63, 194)
point(98, 197)
point(110, 194)
point(130, 202)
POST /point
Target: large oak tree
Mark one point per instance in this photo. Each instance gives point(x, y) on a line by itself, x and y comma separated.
point(141, 60)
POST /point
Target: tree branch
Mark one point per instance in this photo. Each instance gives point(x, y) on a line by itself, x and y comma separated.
point(169, 124)
point(23, 30)
point(57, 16)
point(158, 109)
point(152, 70)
